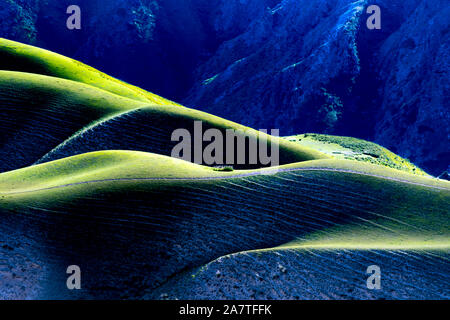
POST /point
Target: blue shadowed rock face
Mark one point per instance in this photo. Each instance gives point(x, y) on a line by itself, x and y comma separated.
point(301, 66)
point(314, 66)
point(18, 19)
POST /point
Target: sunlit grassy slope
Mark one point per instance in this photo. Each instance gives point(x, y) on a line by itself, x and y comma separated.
point(15, 56)
point(184, 215)
point(53, 107)
point(355, 149)
point(39, 113)
point(136, 220)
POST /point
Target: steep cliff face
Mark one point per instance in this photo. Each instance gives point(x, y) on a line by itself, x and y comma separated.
point(289, 69)
point(414, 68)
point(315, 66)
point(300, 66)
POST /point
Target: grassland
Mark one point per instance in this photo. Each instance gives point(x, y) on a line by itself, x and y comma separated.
point(188, 215)
point(87, 180)
point(16, 56)
point(40, 113)
point(356, 149)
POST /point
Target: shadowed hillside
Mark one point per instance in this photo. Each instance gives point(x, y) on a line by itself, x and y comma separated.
point(87, 179)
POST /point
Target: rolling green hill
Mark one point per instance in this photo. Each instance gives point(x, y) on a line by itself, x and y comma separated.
point(355, 149)
point(87, 180)
point(184, 215)
point(15, 56)
point(42, 112)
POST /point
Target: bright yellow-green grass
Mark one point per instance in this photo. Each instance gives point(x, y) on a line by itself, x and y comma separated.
point(60, 97)
point(396, 205)
point(387, 225)
point(115, 164)
point(36, 85)
point(25, 58)
point(355, 149)
point(15, 56)
point(100, 165)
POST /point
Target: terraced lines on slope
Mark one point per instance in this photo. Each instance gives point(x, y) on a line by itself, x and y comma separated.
point(44, 118)
point(184, 215)
point(39, 112)
point(313, 274)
